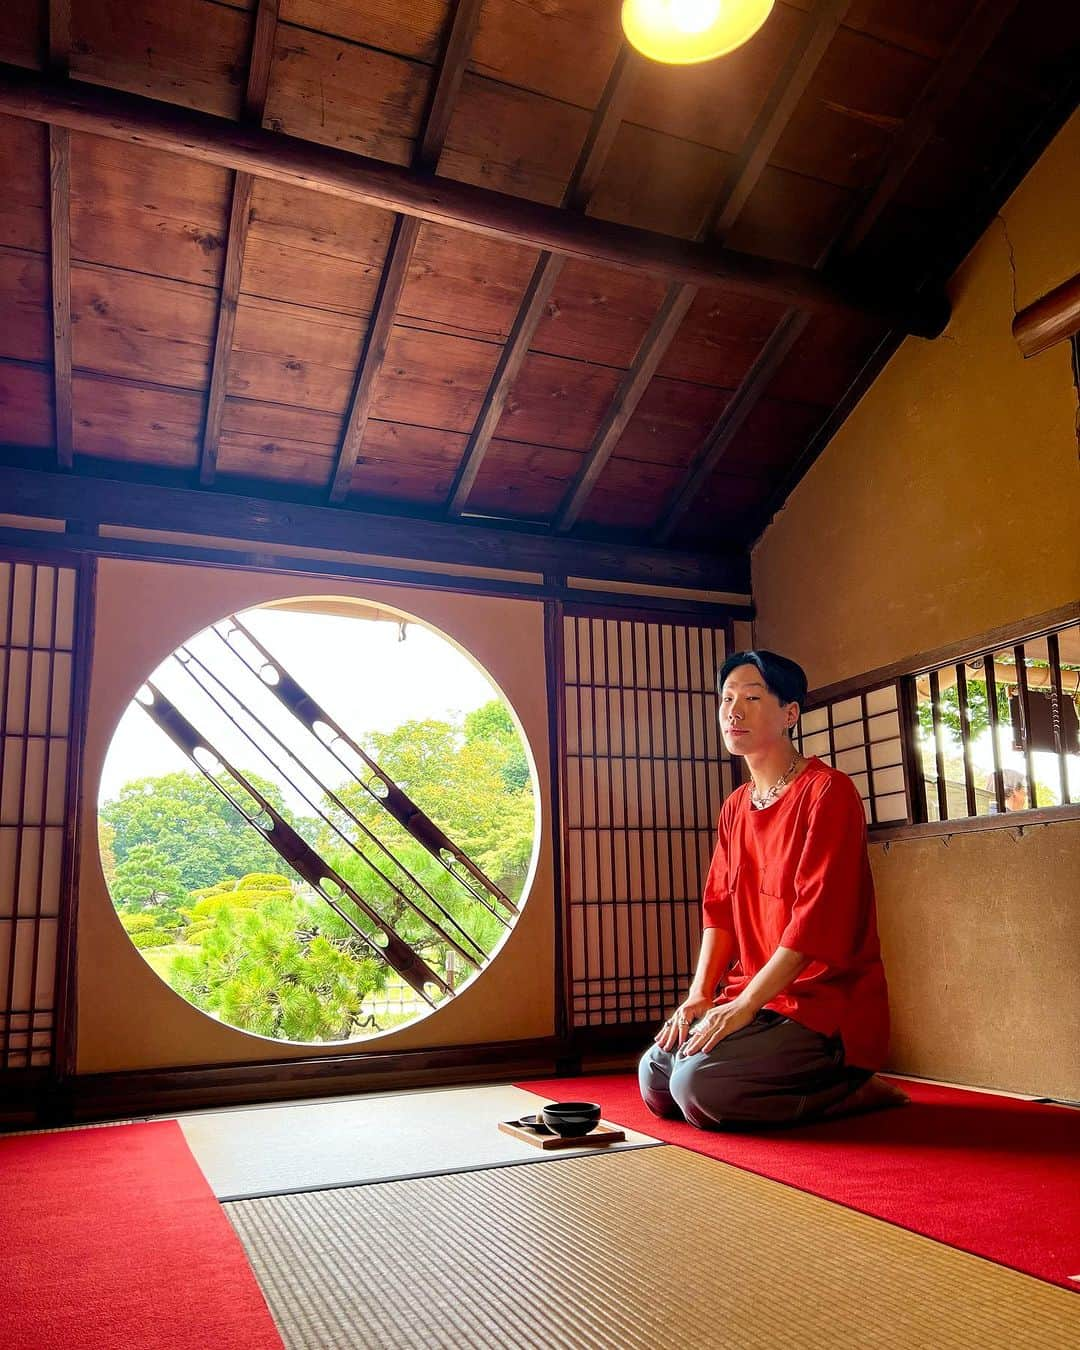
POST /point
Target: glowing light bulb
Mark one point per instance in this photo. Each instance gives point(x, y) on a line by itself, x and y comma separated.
point(682, 32)
point(694, 16)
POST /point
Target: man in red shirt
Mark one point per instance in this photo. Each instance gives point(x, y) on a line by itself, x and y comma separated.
point(790, 933)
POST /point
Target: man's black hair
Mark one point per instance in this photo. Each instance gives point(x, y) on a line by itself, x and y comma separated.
point(785, 679)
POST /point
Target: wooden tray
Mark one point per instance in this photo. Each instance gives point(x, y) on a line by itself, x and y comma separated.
point(597, 1138)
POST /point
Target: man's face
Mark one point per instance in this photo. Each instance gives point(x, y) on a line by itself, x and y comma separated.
point(752, 719)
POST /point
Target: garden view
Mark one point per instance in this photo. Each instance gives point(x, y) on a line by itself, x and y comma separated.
point(235, 931)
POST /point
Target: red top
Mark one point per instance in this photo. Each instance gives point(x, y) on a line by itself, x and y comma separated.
point(797, 875)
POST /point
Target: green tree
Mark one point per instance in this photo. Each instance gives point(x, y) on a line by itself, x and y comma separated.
point(146, 880)
point(492, 727)
point(421, 901)
point(978, 708)
point(463, 782)
point(277, 967)
point(107, 849)
point(192, 826)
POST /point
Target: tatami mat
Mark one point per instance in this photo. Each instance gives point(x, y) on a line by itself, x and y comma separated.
point(350, 1141)
point(643, 1250)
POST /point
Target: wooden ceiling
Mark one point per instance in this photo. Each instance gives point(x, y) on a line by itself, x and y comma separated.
point(796, 208)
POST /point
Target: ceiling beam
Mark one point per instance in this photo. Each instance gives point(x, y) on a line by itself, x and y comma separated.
point(819, 29)
point(650, 353)
point(943, 87)
point(948, 80)
point(788, 88)
point(403, 238)
point(135, 503)
point(262, 50)
point(601, 135)
point(305, 164)
point(60, 243)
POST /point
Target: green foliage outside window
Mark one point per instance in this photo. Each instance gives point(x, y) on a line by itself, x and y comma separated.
point(978, 709)
point(209, 902)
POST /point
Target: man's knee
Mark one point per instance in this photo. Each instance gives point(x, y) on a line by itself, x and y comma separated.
point(654, 1074)
point(718, 1097)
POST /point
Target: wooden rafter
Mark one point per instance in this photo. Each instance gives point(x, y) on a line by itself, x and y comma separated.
point(456, 205)
point(788, 88)
point(601, 135)
point(772, 121)
point(60, 244)
point(947, 81)
point(262, 49)
point(402, 243)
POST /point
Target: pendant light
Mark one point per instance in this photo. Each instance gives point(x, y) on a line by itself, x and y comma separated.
point(682, 32)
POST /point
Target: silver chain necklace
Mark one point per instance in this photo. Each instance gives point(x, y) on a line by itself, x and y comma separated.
point(770, 795)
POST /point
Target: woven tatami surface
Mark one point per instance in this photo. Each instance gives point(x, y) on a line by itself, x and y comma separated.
point(638, 1250)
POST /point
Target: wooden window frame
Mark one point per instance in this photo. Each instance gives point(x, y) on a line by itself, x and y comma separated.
point(902, 675)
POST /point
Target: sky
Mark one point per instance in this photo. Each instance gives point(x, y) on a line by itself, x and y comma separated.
point(359, 670)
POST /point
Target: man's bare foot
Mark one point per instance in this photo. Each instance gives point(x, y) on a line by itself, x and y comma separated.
point(874, 1095)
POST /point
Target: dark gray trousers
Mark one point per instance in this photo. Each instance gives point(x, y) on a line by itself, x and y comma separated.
point(771, 1072)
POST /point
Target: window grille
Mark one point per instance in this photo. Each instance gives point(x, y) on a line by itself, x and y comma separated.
point(644, 774)
point(999, 732)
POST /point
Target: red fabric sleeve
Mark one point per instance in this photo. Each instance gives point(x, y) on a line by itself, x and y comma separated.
point(716, 901)
point(829, 913)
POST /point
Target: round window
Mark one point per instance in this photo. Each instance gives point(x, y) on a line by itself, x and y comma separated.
point(317, 820)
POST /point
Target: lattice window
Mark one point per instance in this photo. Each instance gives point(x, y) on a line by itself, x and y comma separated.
point(37, 673)
point(861, 736)
point(645, 774)
point(1000, 731)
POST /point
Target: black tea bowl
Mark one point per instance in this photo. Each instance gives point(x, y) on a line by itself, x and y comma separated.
point(571, 1118)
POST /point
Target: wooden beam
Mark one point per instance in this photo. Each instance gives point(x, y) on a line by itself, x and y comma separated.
point(137, 504)
point(239, 220)
point(60, 255)
point(947, 81)
point(402, 243)
point(262, 50)
point(59, 36)
point(787, 89)
point(515, 349)
point(730, 422)
point(395, 274)
point(456, 205)
point(627, 397)
point(1051, 319)
point(447, 84)
point(806, 55)
point(601, 135)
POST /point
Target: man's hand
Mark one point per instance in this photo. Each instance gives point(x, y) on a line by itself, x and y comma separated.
point(718, 1023)
point(677, 1028)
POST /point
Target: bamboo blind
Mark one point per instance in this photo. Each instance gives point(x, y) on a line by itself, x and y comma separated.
point(37, 640)
point(644, 777)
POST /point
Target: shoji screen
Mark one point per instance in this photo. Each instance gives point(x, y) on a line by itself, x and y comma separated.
point(643, 778)
point(38, 698)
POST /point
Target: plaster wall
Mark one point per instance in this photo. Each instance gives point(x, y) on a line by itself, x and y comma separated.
point(981, 941)
point(130, 1019)
point(949, 504)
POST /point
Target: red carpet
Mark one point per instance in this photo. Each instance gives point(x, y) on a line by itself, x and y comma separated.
point(992, 1175)
point(112, 1238)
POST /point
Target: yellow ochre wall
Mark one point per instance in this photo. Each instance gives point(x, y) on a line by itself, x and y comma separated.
point(128, 1018)
point(949, 504)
